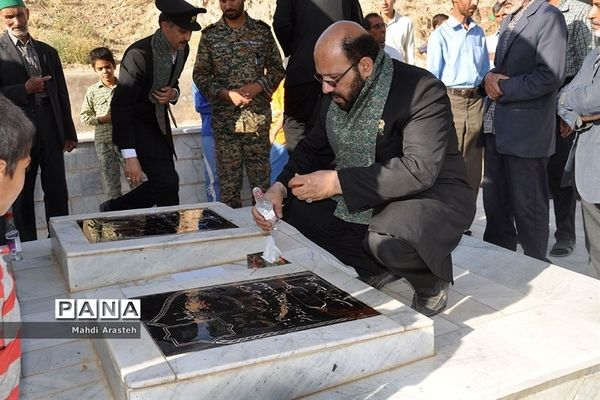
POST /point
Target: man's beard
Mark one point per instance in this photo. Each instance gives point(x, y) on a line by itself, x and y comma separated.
point(596, 30)
point(357, 85)
point(233, 14)
point(21, 32)
point(514, 7)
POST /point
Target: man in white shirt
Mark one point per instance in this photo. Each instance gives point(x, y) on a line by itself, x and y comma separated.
point(373, 23)
point(399, 31)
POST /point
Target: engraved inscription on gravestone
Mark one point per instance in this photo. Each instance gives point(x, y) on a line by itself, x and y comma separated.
point(220, 315)
point(108, 229)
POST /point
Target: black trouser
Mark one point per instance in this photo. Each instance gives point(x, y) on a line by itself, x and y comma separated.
point(370, 253)
point(515, 199)
point(564, 199)
point(401, 259)
point(47, 155)
point(300, 104)
point(161, 188)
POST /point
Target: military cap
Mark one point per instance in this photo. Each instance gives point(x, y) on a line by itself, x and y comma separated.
point(11, 3)
point(180, 12)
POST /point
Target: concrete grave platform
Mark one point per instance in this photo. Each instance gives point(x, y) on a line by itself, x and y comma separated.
point(515, 328)
point(87, 265)
point(285, 366)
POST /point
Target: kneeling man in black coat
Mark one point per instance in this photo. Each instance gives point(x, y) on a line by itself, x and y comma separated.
point(379, 181)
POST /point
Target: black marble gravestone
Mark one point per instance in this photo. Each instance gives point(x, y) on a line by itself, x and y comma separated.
point(107, 229)
point(198, 319)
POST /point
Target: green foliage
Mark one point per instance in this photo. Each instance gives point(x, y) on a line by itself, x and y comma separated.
point(67, 28)
point(71, 50)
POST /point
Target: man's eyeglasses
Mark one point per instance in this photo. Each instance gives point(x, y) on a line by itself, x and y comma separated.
point(377, 26)
point(332, 82)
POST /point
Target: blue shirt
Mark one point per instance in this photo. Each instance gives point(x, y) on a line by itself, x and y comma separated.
point(458, 56)
point(204, 108)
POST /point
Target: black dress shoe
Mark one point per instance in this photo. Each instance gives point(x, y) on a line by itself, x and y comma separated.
point(562, 248)
point(105, 207)
point(379, 281)
point(430, 305)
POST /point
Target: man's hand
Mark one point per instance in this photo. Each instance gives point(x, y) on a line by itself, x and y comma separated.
point(105, 119)
point(70, 145)
point(590, 118)
point(133, 171)
point(164, 95)
point(276, 194)
point(315, 186)
point(234, 96)
point(492, 87)
point(565, 129)
point(36, 84)
point(250, 90)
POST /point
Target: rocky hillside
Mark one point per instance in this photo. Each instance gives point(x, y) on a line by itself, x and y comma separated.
point(76, 26)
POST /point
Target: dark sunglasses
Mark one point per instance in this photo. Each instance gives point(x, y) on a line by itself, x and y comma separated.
point(332, 82)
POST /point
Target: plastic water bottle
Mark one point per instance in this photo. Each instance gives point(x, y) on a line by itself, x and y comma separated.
point(13, 240)
point(264, 206)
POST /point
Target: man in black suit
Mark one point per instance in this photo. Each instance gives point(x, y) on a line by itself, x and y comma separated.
point(31, 76)
point(148, 84)
point(379, 181)
point(297, 25)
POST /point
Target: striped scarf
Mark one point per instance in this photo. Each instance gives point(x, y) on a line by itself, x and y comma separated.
point(164, 75)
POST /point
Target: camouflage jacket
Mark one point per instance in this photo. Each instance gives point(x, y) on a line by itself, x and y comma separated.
point(229, 58)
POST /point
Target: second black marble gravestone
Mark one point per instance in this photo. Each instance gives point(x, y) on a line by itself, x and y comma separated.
point(203, 318)
point(108, 229)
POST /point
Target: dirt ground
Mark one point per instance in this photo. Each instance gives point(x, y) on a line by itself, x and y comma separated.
point(76, 26)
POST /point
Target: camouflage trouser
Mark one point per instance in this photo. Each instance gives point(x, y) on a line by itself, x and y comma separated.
point(111, 162)
point(234, 152)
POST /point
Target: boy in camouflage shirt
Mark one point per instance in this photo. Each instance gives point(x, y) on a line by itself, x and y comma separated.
point(95, 111)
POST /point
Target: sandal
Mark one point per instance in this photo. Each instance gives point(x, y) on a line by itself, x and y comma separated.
point(562, 249)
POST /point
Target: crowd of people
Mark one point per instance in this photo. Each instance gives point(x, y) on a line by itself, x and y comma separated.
point(374, 159)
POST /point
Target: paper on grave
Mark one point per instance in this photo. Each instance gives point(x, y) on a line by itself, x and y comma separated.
point(271, 252)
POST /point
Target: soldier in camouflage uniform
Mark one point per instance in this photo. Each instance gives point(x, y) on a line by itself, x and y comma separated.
point(238, 66)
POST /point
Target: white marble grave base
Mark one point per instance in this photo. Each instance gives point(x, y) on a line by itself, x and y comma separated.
point(278, 367)
point(91, 265)
point(515, 328)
